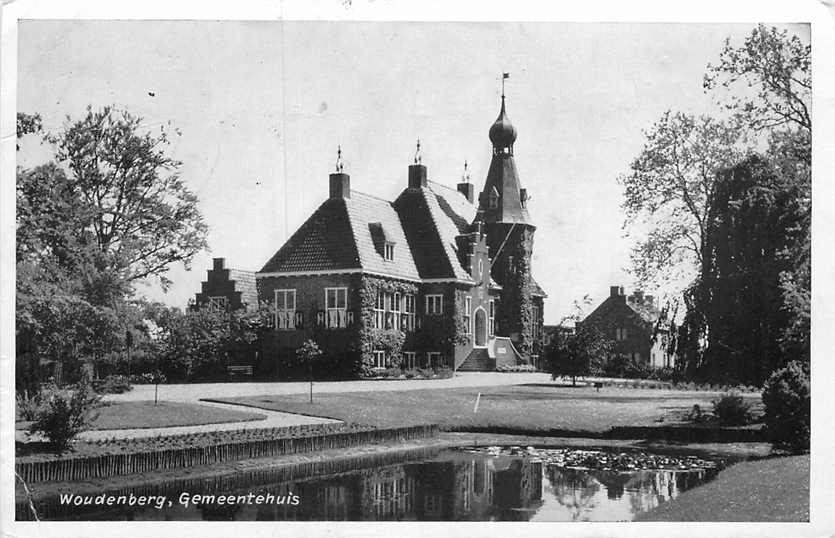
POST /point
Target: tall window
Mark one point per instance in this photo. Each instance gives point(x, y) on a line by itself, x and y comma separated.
point(621, 334)
point(434, 304)
point(336, 307)
point(409, 360)
point(379, 359)
point(491, 322)
point(433, 359)
point(379, 312)
point(388, 251)
point(285, 309)
point(409, 313)
point(394, 308)
point(468, 306)
point(537, 326)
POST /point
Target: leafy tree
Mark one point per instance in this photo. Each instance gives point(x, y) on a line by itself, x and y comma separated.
point(776, 69)
point(65, 413)
point(668, 190)
point(143, 217)
point(27, 124)
point(580, 353)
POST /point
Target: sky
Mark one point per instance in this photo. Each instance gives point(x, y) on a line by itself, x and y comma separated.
point(263, 105)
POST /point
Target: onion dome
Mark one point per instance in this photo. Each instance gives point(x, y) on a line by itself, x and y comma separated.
point(502, 132)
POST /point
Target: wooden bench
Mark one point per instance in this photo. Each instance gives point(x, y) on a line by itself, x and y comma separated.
point(239, 369)
point(598, 386)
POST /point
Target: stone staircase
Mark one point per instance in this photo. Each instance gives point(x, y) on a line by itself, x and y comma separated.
point(478, 361)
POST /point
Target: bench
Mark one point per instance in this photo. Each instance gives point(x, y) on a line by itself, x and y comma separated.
point(598, 386)
point(239, 369)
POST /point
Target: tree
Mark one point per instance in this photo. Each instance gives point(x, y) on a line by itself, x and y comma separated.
point(776, 69)
point(143, 216)
point(668, 190)
point(309, 353)
point(580, 353)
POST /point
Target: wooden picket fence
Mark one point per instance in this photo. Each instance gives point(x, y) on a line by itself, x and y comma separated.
point(107, 465)
point(229, 482)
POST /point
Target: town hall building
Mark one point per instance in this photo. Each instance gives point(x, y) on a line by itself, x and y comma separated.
point(436, 278)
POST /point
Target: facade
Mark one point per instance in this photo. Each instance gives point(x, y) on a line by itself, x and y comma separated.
point(434, 278)
point(633, 324)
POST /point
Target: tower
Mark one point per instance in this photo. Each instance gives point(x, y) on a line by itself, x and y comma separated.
point(502, 209)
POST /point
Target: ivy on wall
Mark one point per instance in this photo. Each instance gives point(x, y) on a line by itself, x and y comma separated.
point(370, 338)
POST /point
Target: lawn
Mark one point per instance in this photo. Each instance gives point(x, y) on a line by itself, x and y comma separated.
point(144, 414)
point(536, 408)
point(774, 489)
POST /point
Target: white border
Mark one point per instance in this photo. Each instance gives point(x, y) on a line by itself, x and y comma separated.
point(823, 272)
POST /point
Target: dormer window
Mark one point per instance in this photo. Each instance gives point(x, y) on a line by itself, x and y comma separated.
point(388, 251)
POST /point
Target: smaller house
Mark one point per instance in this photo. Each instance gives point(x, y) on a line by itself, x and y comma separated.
point(634, 324)
point(227, 288)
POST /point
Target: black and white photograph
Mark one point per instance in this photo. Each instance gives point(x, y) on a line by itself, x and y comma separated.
point(356, 268)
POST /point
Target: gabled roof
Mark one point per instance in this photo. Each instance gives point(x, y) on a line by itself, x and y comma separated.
point(343, 234)
point(433, 217)
point(619, 305)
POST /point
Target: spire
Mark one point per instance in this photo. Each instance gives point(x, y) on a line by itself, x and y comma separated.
point(502, 132)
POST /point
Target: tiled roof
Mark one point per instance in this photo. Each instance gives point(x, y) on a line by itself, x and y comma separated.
point(245, 283)
point(536, 289)
point(648, 313)
point(324, 242)
point(371, 216)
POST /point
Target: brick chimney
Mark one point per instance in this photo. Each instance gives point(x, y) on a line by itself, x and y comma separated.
point(468, 190)
point(617, 291)
point(340, 185)
point(217, 263)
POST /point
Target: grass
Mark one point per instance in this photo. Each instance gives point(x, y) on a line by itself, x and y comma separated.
point(144, 414)
point(774, 489)
point(533, 408)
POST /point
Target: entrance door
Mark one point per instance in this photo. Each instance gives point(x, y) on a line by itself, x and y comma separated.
point(480, 329)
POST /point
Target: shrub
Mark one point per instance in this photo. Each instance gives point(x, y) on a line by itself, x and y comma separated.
point(516, 368)
point(411, 372)
point(148, 378)
point(65, 414)
point(113, 384)
point(732, 410)
point(426, 372)
point(444, 372)
point(29, 404)
point(393, 371)
point(787, 400)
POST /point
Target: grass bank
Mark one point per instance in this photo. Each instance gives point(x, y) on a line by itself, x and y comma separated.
point(773, 489)
point(547, 409)
point(144, 414)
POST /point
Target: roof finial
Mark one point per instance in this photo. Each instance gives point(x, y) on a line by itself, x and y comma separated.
point(418, 156)
point(465, 177)
point(339, 164)
point(505, 76)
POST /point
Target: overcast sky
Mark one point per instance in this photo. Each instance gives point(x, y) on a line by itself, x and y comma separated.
point(262, 107)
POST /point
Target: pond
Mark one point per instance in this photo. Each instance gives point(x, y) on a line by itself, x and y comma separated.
point(488, 484)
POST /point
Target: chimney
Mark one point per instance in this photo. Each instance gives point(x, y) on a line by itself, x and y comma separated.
point(340, 185)
point(614, 291)
point(217, 263)
point(468, 190)
point(417, 176)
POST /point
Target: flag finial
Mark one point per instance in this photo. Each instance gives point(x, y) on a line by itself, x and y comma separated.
point(505, 76)
point(339, 165)
point(418, 156)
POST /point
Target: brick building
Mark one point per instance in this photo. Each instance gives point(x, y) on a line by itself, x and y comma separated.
point(227, 288)
point(633, 324)
point(434, 278)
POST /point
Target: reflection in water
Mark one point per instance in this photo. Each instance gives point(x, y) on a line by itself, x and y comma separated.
point(448, 487)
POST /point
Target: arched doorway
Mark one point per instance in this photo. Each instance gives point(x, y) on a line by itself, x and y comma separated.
point(480, 329)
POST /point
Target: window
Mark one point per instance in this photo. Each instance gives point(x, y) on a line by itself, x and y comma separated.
point(409, 313)
point(468, 305)
point(336, 307)
point(620, 334)
point(388, 251)
point(379, 359)
point(285, 309)
point(493, 199)
point(434, 304)
point(394, 308)
point(221, 303)
point(379, 312)
point(409, 360)
point(537, 325)
point(491, 322)
point(433, 359)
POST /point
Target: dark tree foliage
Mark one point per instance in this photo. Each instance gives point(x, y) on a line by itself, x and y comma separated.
point(579, 353)
point(755, 220)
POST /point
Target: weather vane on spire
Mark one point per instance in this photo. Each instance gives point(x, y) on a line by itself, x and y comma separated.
point(339, 165)
point(418, 156)
point(505, 76)
point(465, 177)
